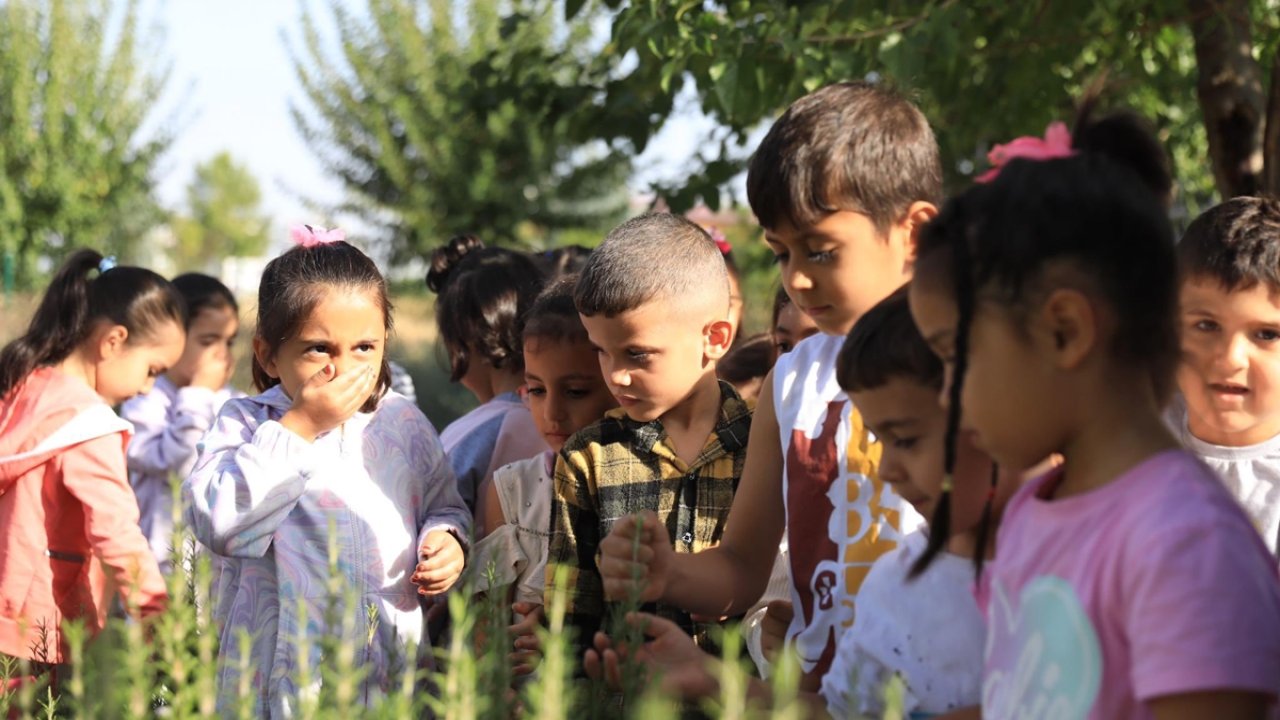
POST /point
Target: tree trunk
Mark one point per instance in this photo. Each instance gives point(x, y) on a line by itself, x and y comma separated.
point(1229, 87)
point(1271, 141)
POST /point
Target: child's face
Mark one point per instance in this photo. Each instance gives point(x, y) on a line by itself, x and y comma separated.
point(840, 267)
point(653, 357)
point(125, 369)
point(792, 327)
point(565, 389)
point(345, 329)
point(209, 340)
point(1230, 372)
point(911, 425)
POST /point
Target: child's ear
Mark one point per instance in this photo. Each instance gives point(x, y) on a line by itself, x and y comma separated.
point(111, 341)
point(1070, 327)
point(266, 359)
point(918, 214)
point(716, 337)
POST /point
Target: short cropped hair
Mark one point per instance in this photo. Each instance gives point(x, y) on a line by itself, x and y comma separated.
point(1236, 243)
point(657, 255)
point(849, 146)
point(885, 344)
point(553, 316)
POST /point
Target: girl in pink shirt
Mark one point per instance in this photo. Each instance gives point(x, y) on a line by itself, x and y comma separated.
point(68, 519)
point(1127, 582)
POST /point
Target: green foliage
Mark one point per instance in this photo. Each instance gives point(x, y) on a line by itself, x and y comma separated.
point(983, 71)
point(75, 166)
point(225, 220)
point(438, 121)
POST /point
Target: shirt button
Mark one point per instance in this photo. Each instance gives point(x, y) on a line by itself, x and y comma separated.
point(528, 503)
point(687, 538)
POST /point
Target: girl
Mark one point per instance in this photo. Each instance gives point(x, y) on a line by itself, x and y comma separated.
point(101, 335)
point(170, 420)
point(323, 461)
point(1128, 582)
point(790, 325)
point(566, 393)
point(482, 294)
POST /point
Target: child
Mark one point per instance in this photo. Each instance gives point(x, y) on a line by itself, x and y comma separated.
point(928, 629)
point(812, 463)
point(101, 335)
point(1229, 262)
point(677, 444)
point(170, 420)
point(747, 364)
point(482, 294)
point(1129, 583)
point(565, 393)
point(322, 456)
point(789, 325)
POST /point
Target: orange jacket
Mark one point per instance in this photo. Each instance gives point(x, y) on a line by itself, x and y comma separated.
point(69, 532)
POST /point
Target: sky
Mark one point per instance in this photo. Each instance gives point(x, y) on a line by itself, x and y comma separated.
point(231, 83)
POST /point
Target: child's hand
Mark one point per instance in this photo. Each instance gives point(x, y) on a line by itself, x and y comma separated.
point(625, 567)
point(683, 669)
point(440, 565)
point(214, 369)
point(773, 627)
point(528, 649)
point(324, 402)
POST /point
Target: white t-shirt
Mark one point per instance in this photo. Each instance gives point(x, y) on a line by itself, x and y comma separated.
point(840, 518)
point(928, 630)
point(1251, 473)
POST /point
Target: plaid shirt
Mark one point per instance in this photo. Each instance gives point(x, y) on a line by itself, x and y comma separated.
point(618, 466)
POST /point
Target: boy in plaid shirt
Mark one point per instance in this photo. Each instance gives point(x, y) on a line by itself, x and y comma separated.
point(654, 298)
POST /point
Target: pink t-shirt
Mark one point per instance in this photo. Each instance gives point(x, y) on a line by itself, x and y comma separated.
point(1155, 584)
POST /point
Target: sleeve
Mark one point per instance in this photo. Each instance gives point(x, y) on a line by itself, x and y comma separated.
point(95, 473)
point(1202, 608)
point(574, 539)
point(165, 437)
point(250, 475)
point(518, 439)
point(470, 457)
point(442, 505)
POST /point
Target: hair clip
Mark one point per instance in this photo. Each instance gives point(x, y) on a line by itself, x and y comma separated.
point(1056, 143)
point(106, 264)
point(307, 236)
point(721, 242)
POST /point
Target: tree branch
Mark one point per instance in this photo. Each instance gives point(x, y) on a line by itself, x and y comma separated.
point(1271, 138)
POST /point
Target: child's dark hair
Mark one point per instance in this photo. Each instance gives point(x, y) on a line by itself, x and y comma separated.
point(562, 261)
point(553, 315)
point(202, 292)
point(1128, 139)
point(294, 283)
point(750, 359)
point(1084, 222)
point(482, 298)
point(79, 296)
point(650, 256)
point(885, 344)
point(1236, 243)
point(849, 146)
point(444, 259)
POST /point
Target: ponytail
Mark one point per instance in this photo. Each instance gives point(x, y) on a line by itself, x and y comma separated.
point(85, 289)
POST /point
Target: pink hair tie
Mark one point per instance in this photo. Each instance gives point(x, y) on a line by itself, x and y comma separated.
point(307, 236)
point(1056, 143)
point(719, 238)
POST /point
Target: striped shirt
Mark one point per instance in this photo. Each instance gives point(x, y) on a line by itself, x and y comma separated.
point(618, 466)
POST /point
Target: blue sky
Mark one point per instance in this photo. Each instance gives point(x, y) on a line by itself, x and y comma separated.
point(232, 78)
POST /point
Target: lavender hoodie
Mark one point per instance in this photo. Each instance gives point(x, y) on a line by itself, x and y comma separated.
point(270, 502)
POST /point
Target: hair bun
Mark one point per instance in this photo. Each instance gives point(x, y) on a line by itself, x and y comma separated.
point(445, 259)
point(1128, 139)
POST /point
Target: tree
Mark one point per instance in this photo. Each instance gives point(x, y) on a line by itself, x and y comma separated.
point(438, 124)
point(76, 166)
point(983, 70)
point(226, 219)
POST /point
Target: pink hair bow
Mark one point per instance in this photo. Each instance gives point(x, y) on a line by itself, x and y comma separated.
point(1056, 143)
point(308, 236)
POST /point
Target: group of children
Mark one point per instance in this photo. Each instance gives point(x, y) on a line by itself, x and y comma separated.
point(1086, 416)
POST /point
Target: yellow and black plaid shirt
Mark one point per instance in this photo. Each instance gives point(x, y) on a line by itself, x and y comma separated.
point(619, 466)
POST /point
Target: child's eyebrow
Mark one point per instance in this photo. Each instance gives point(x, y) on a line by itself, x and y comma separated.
point(889, 426)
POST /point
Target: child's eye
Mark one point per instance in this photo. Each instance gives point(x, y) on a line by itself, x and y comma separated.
point(638, 355)
point(780, 258)
point(536, 392)
point(1267, 335)
point(577, 393)
point(1205, 325)
point(905, 443)
point(783, 347)
point(365, 347)
point(822, 257)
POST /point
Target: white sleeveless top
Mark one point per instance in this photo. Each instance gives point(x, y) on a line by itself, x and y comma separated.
point(517, 551)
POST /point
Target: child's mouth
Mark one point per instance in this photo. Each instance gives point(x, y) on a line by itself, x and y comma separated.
point(1228, 389)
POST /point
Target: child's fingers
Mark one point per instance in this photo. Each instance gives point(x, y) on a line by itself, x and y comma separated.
point(591, 664)
point(612, 669)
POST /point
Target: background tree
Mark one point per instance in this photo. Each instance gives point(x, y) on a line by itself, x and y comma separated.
point(438, 123)
point(75, 166)
point(225, 215)
point(983, 70)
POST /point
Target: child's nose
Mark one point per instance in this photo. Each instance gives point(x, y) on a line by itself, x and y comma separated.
point(554, 408)
point(620, 377)
point(797, 280)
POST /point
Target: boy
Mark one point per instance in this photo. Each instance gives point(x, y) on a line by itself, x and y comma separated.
point(841, 185)
point(677, 443)
point(1229, 261)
